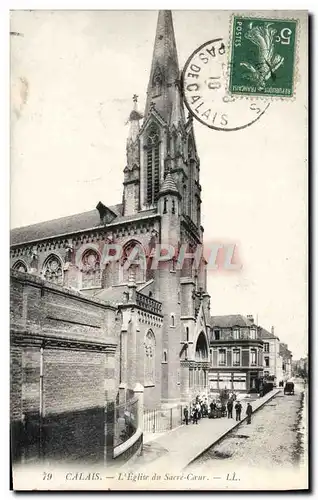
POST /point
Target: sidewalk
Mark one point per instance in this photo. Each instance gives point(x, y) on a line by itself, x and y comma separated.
point(178, 448)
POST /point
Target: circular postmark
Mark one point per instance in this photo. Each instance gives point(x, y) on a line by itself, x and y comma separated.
point(204, 85)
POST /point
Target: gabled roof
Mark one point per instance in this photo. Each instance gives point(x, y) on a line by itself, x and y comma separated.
point(230, 320)
point(284, 351)
point(265, 334)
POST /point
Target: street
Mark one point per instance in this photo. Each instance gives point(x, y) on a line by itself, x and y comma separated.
point(274, 438)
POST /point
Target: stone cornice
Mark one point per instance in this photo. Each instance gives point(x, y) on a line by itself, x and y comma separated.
point(26, 338)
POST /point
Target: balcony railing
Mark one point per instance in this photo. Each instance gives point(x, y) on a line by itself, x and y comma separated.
point(148, 303)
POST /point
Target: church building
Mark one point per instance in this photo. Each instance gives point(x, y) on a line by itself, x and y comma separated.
point(164, 309)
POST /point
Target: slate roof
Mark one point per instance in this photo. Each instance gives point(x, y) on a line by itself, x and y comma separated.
point(284, 351)
point(68, 225)
point(230, 320)
point(265, 334)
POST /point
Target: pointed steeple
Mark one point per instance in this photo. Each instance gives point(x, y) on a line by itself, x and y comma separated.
point(134, 119)
point(132, 147)
point(164, 68)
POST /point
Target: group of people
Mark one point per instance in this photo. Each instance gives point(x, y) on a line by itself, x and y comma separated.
point(201, 409)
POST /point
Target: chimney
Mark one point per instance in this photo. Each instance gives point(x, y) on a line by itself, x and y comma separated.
point(273, 330)
point(250, 318)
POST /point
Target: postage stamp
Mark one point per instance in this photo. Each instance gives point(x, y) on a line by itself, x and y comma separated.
point(263, 56)
point(204, 86)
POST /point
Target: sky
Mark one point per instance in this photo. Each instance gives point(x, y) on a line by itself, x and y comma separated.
point(73, 75)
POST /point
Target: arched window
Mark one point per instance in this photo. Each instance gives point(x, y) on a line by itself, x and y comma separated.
point(153, 178)
point(150, 359)
point(20, 266)
point(91, 273)
point(201, 348)
point(52, 270)
point(133, 263)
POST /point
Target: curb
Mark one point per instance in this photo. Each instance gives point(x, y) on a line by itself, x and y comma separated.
point(229, 430)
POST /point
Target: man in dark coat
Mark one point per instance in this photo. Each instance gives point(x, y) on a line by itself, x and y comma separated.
point(238, 410)
point(230, 408)
point(186, 415)
point(249, 411)
point(195, 415)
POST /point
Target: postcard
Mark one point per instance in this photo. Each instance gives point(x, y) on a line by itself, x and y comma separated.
point(158, 251)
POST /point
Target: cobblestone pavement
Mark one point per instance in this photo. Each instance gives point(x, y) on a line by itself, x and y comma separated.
point(272, 439)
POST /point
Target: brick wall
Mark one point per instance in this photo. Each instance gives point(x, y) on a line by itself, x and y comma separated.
point(61, 347)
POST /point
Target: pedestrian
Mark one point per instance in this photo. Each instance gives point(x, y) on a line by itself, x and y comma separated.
point(186, 415)
point(238, 410)
point(195, 416)
point(198, 408)
point(223, 410)
point(230, 408)
point(249, 411)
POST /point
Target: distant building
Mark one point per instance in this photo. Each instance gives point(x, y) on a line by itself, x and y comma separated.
point(287, 361)
point(273, 362)
point(300, 366)
point(236, 353)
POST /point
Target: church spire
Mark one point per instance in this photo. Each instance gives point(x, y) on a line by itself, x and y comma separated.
point(164, 68)
point(132, 147)
point(134, 119)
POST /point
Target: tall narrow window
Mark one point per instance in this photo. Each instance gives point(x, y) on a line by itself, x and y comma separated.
point(52, 270)
point(221, 357)
point(165, 206)
point(153, 160)
point(253, 357)
point(216, 334)
point(173, 207)
point(91, 274)
point(236, 357)
point(190, 176)
point(184, 199)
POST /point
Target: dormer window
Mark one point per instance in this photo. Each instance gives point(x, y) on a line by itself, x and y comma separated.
point(236, 333)
point(253, 333)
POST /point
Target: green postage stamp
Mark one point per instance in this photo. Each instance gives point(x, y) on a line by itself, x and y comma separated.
point(262, 60)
